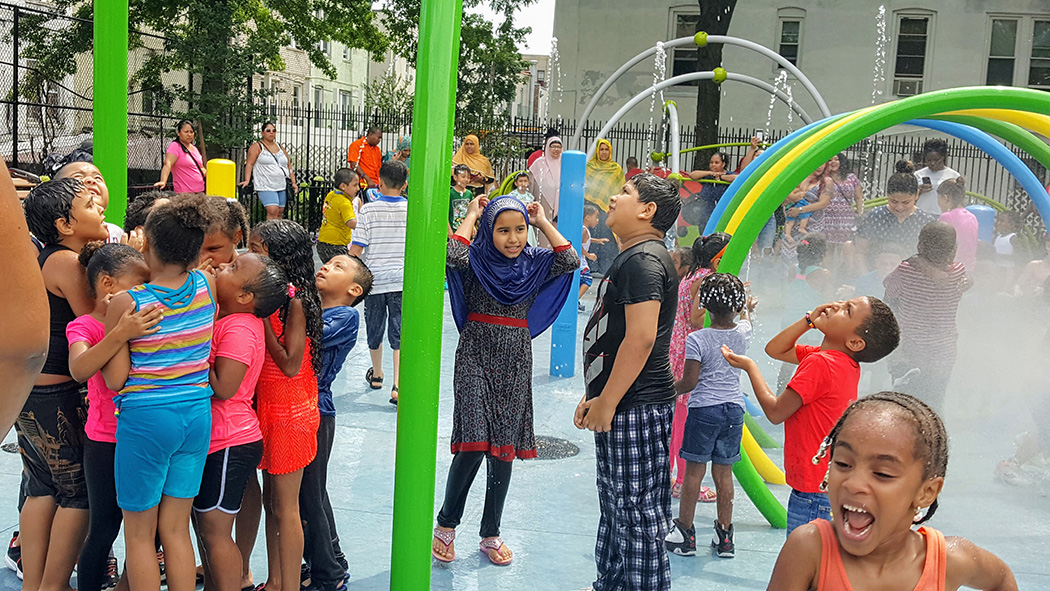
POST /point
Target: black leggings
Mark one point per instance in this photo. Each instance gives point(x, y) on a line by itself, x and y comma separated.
point(105, 515)
point(461, 475)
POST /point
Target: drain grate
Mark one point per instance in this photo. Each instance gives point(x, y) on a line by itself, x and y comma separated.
point(11, 448)
point(552, 448)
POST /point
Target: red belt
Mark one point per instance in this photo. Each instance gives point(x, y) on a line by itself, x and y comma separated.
point(500, 320)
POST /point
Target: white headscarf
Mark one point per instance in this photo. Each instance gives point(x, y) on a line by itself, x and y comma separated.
point(546, 178)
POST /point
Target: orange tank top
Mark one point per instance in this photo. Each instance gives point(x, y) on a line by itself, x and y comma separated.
point(833, 572)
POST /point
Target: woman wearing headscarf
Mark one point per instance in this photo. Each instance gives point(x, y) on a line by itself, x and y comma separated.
point(604, 179)
point(546, 180)
point(481, 175)
point(403, 151)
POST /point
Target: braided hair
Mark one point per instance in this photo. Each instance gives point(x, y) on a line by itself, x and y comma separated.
point(706, 248)
point(931, 439)
point(290, 246)
point(722, 295)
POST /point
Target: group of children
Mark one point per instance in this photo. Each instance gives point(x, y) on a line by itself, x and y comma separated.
point(201, 367)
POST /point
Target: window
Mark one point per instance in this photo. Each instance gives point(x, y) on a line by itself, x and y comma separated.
point(1039, 65)
point(346, 53)
point(1002, 52)
point(345, 106)
point(790, 27)
point(297, 96)
point(325, 46)
point(318, 99)
point(909, 69)
point(683, 60)
point(541, 75)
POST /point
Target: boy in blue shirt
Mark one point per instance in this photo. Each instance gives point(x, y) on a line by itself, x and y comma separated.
point(342, 282)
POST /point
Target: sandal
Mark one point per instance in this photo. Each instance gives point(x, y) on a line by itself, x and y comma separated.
point(676, 490)
point(393, 396)
point(489, 544)
point(707, 495)
point(446, 538)
point(373, 382)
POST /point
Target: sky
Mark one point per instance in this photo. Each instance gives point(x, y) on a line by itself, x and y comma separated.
point(540, 16)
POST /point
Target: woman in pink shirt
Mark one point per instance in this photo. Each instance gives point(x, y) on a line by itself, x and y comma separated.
point(184, 162)
point(951, 196)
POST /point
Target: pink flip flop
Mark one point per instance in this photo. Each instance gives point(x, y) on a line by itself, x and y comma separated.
point(446, 538)
point(493, 544)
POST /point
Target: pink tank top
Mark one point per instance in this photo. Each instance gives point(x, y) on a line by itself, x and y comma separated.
point(833, 572)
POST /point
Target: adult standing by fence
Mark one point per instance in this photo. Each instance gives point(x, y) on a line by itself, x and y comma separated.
point(604, 179)
point(183, 161)
point(364, 156)
point(481, 175)
point(546, 179)
point(271, 173)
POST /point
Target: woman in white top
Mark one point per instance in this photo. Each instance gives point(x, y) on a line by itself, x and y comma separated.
point(271, 171)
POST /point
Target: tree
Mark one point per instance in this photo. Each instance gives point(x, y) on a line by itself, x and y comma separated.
point(221, 44)
point(490, 66)
point(389, 93)
point(715, 16)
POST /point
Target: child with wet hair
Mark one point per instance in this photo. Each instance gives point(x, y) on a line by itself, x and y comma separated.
point(223, 239)
point(860, 330)
point(889, 456)
point(139, 208)
point(924, 293)
point(715, 421)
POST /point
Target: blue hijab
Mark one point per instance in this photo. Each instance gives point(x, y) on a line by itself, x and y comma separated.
point(510, 281)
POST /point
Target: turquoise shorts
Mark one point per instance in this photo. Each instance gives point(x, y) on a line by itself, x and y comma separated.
point(161, 450)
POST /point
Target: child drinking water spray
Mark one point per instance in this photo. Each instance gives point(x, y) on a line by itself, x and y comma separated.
point(286, 396)
point(889, 455)
point(861, 330)
point(164, 404)
point(504, 293)
point(111, 269)
point(247, 290)
point(706, 254)
point(53, 520)
point(716, 410)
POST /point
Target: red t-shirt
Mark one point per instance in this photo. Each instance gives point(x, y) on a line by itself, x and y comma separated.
point(239, 337)
point(369, 157)
point(827, 383)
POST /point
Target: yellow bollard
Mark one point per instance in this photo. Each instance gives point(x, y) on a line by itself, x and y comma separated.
point(222, 178)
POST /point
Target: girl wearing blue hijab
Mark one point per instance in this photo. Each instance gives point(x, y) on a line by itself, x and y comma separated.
point(504, 293)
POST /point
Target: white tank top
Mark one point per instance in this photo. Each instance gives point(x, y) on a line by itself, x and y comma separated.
point(271, 170)
point(1003, 245)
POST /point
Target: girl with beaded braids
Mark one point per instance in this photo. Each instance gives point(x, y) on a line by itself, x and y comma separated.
point(286, 395)
point(889, 455)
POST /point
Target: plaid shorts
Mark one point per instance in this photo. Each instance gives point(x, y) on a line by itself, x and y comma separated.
point(634, 490)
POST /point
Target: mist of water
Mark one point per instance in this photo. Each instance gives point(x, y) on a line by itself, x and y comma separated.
point(878, 78)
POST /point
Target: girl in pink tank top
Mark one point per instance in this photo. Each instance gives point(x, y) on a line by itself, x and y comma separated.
point(889, 454)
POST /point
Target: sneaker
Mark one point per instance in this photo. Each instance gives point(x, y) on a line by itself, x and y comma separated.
point(112, 573)
point(18, 568)
point(14, 554)
point(723, 542)
point(681, 541)
point(163, 572)
point(581, 307)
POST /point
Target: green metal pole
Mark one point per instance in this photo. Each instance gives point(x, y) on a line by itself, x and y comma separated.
point(417, 413)
point(110, 102)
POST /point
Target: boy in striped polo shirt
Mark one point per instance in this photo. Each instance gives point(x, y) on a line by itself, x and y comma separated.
point(379, 240)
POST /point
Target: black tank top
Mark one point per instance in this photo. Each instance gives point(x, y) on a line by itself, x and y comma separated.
point(57, 361)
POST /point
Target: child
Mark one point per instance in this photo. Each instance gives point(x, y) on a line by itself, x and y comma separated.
point(164, 402)
point(91, 176)
point(111, 269)
point(924, 292)
point(716, 410)
point(342, 282)
point(459, 197)
point(53, 521)
point(504, 293)
point(797, 199)
point(628, 335)
point(705, 255)
point(247, 290)
point(590, 221)
point(889, 457)
point(886, 256)
point(139, 208)
point(221, 241)
point(951, 196)
point(1007, 245)
point(381, 230)
point(861, 330)
point(338, 216)
point(286, 395)
point(521, 193)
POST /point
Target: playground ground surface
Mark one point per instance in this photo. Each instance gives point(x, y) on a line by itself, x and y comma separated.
point(551, 514)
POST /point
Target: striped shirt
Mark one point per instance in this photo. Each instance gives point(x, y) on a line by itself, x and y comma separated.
point(171, 365)
point(926, 308)
point(381, 232)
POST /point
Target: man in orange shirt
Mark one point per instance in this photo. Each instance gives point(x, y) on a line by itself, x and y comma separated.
point(365, 158)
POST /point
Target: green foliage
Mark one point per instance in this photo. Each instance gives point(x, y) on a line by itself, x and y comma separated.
point(489, 63)
point(221, 44)
point(389, 94)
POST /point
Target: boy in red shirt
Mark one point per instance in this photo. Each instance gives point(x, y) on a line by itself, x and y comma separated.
point(861, 330)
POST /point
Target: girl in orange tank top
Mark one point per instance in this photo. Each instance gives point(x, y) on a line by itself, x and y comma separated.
point(889, 454)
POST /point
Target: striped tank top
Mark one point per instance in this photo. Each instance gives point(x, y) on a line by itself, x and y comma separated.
point(172, 365)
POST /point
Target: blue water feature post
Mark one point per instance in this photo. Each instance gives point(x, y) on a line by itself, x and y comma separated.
point(570, 224)
point(985, 221)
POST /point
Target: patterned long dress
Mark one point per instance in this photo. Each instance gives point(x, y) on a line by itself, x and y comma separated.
point(493, 370)
point(682, 327)
point(840, 219)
